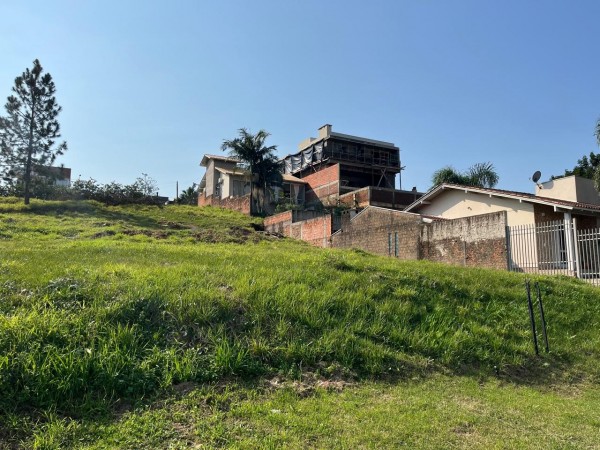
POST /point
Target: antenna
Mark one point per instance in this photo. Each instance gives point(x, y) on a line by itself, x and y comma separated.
point(536, 176)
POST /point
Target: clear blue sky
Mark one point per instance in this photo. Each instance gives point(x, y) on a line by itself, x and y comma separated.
point(149, 87)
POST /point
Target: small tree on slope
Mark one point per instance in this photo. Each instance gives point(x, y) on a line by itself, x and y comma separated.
point(29, 131)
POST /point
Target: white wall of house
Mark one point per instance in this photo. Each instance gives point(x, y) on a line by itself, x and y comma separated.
point(225, 185)
point(210, 179)
point(453, 204)
point(573, 189)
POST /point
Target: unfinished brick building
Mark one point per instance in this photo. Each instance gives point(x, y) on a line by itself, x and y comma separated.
point(342, 169)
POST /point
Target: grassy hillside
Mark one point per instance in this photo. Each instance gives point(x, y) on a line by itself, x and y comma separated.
point(104, 309)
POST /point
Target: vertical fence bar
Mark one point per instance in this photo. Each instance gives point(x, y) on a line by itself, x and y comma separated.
point(507, 239)
point(557, 247)
point(591, 237)
point(585, 259)
point(576, 246)
point(584, 253)
point(592, 244)
point(536, 248)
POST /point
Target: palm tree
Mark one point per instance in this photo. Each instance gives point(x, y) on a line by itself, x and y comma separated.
point(597, 132)
point(479, 175)
point(189, 196)
point(448, 174)
point(483, 175)
point(259, 160)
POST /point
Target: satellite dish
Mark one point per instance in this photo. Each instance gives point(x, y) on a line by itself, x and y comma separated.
point(536, 176)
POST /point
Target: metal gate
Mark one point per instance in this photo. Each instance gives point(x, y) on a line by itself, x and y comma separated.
point(555, 248)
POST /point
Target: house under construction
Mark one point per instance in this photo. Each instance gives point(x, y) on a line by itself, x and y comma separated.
point(343, 169)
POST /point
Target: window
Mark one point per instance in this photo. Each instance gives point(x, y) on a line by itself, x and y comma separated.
point(238, 188)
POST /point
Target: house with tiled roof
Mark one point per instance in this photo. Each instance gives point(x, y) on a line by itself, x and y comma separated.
point(554, 231)
point(226, 184)
point(561, 199)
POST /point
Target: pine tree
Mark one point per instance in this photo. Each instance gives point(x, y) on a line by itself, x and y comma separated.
point(29, 131)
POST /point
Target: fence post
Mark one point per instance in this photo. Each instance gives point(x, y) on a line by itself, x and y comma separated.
point(508, 252)
point(569, 244)
point(576, 246)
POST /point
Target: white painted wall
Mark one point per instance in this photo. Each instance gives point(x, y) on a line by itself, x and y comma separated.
point(453, 204)
point(226, 187)
point(573, 189)
point(210, 179)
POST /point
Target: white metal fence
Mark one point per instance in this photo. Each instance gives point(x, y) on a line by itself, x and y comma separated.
point(555, 248)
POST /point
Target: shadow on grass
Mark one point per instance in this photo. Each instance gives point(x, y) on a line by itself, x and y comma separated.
point(89, 208)
point(544, 372)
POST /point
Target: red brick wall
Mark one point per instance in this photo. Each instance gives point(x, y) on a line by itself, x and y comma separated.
point(477, 241)
point(315, 231)
point(241, 204)
point(545, 213)
point(370, 231)
point(357, 199)
point(489, 253)
point(279, 223)
point(472, 241)
point(375, 196)
point(323, 185)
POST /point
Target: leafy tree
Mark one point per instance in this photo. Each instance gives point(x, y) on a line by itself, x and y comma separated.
point(29, 131)
point(259, 160)
point(587, 167)
point(189, 196)
point(479, 175)
point(145, 185)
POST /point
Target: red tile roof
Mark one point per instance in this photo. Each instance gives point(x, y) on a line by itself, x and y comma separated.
point(503, 193)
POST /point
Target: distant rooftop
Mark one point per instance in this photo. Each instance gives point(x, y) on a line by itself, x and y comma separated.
point(325, 132)
point(205, 159)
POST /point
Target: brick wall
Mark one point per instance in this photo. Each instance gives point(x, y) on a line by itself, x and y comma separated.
point(376, 196)
point(323, 185)
point(545, 213)
point(241, 204)
point(356, 199)
point(315, 231)
point(370, 231)
point(478, 241)
point(472, 241)
point(279, 223)
point(301, 225)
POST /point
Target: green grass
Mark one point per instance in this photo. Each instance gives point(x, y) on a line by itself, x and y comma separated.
point(439, 412)
point(106, 308)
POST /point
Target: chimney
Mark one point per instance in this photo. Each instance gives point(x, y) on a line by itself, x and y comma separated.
point(325, 131)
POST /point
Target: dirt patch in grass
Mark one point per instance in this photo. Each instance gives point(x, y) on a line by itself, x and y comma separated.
point(102, 234)
point(308, 384)
point(184, 388)
point(149, 233)
point(175, 225)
